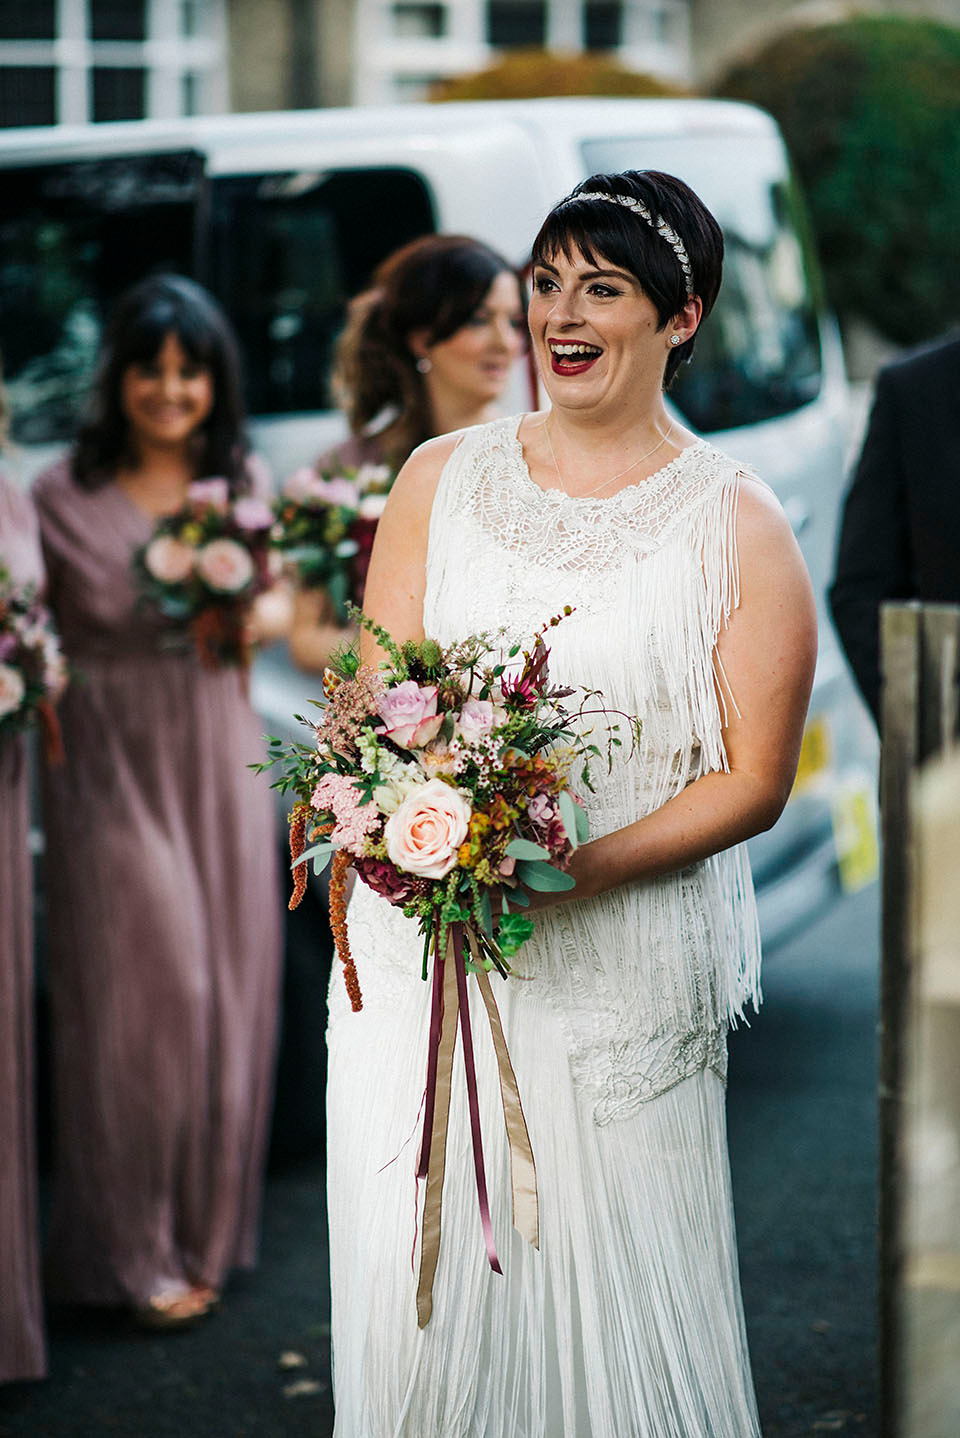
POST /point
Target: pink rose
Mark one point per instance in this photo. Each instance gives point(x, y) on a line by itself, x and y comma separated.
point(250, 513)
point(424, 834)
point(170, 560)
point(212, 492)
point(12, 690)
point(475, 721)
point(225, 566)
point(301, 485)
point(338, 490)
point(410, 714)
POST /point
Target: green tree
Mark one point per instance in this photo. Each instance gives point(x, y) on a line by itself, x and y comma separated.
point(529, 74)
point(870, 109)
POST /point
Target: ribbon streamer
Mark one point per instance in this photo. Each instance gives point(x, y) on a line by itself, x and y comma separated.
point(449, 1010)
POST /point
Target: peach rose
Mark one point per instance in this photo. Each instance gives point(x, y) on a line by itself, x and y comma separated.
point(423, 836)
point(12, 689)
point(170, 560)
point(225, 566)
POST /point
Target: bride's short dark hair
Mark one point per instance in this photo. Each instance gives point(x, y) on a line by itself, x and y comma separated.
point(608, 229)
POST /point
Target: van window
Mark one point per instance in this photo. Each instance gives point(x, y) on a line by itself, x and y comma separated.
point(287, 252)
point(72, 237)
point(759, 355)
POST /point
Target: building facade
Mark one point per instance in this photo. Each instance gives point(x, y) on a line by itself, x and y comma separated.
point(70, 61)
point(403, 47)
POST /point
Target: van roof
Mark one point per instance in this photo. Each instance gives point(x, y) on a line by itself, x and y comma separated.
point(219, 135)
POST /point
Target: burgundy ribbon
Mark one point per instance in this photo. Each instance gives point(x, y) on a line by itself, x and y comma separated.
point(472, 1099)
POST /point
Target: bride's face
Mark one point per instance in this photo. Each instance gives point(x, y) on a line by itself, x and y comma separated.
point(595, 335)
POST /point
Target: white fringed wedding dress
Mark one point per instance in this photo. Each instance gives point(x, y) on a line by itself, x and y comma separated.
point(627, 1323)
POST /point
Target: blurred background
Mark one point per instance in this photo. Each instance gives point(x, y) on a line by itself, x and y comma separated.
point(851, 258)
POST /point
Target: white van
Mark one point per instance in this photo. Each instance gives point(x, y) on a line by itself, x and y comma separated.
point(284, 216)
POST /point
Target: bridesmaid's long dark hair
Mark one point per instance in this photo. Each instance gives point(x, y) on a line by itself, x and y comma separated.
point(140, 322)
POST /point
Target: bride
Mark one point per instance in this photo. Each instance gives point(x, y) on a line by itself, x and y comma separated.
point(692, 610)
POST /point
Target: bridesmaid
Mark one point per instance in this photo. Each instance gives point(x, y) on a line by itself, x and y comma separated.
point(22, 1349)
point(429, 348)
point(162, 883)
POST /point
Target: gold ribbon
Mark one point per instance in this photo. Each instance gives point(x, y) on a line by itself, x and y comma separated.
point(523, 1174)
point(432, 1203)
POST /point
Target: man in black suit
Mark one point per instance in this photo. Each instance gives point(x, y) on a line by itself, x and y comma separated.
point(900, 534)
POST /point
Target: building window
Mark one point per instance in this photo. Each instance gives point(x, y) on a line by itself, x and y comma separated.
point(189, 93)
point(419, 22)
point(602, 24)
point(190, 17)
point(27, 95)
point(36, 21)
point(516, 23)
point(118, 20)
point(118, 94)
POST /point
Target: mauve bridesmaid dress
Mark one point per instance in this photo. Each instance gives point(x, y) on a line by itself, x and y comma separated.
point(22, 1351)
point(165, 934)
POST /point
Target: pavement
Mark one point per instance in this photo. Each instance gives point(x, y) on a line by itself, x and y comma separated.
point(801, 1112)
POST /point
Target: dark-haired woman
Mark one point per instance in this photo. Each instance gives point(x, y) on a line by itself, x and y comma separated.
point(163, 900)
point(428, 349)
point(22, 1348)
point(693, 611)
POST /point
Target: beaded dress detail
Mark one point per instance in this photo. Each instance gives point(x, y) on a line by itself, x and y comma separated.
point(628, 1321)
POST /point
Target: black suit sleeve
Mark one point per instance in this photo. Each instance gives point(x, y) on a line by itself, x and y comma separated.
point(873, 551)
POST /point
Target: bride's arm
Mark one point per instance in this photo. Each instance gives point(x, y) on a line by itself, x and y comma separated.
point(767, 653)
point(396, 579)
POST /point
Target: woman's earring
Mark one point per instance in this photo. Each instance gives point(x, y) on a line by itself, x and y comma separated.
point(423, 365)
point(675, 339)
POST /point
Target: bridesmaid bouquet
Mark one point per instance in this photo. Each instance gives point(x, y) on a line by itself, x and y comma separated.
point(325, 524)
point(33, 670)
point(444, 779)
point(204, 566)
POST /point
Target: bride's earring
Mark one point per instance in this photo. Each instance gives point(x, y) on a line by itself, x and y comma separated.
point(423, 365)
point(675, 340)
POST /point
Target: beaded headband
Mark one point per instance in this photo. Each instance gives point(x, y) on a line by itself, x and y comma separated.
point(656, 222)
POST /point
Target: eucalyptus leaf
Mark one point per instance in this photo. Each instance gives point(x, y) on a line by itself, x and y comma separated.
point(543, 877)
point(568, 813)
point(526, 849)
point(319, 851)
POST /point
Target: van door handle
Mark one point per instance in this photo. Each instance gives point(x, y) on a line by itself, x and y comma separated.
point(798, 513)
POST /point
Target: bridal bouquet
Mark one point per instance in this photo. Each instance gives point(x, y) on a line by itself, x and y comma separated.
point(32, 668)
point(204, 566)
point(324, 526)
point(444, 779)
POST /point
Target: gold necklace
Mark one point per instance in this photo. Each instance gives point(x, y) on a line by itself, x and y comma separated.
point(620, 473)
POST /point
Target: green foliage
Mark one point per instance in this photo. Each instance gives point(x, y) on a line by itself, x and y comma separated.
point(529, 74)
point(870, 109)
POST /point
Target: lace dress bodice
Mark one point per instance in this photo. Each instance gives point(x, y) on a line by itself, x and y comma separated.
point(647, 977)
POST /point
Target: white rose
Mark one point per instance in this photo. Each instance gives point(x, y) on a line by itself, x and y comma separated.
point(12, 689)
point(225, 566)
point(170, 560)
point(423, 836)
point(371, 506)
